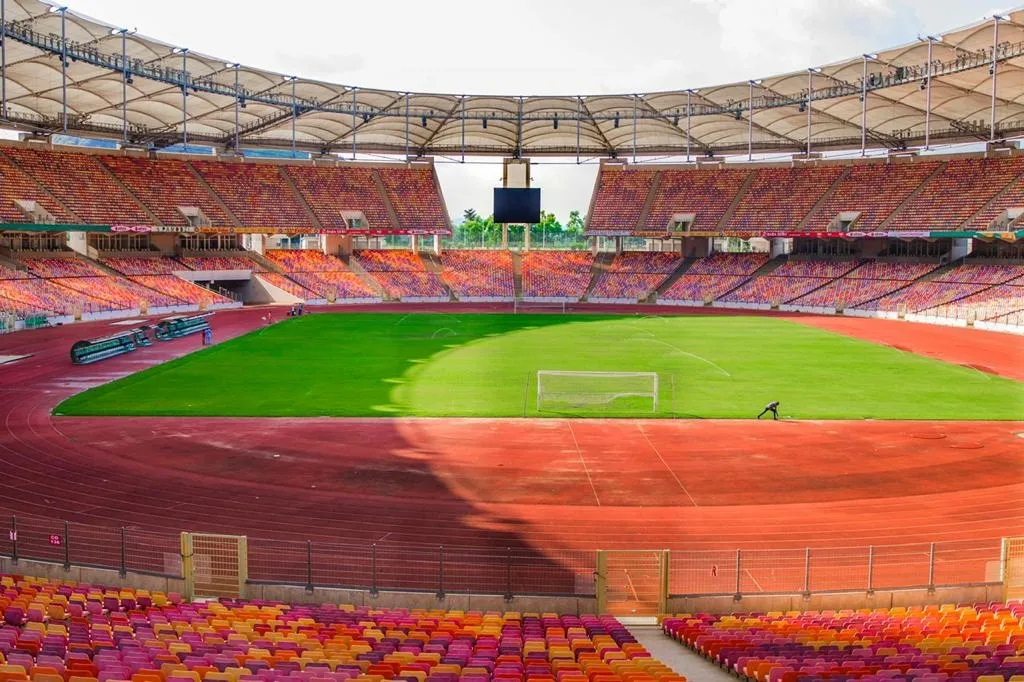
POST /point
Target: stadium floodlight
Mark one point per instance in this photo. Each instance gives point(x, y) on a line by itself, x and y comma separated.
point(57, 8)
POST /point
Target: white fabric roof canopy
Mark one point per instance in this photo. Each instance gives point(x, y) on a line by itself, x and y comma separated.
point(104, 95)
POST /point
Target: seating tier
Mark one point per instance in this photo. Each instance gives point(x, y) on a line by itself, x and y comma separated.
point(557, 274)
point(163, 185)
point(81, 183)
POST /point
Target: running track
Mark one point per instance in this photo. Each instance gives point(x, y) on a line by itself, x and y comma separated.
point(530, 484)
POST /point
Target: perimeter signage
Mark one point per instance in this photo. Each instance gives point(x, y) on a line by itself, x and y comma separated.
point(791, 234)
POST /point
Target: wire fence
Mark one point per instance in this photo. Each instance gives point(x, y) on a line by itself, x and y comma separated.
point(512, 571)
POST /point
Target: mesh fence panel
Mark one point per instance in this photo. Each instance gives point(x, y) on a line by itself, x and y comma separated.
point(41, 539)
point(93, 545)
point(900, 565)
point(766, 570)
point(409, 567)
point(702, 572)
point(148, 552)
point(477, 570)
point(840, 568)
point(555, 572)
point(343, 564)
point(277, 561)
point(966, 562)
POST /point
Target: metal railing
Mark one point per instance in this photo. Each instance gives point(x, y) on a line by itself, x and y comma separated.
point(512, 571)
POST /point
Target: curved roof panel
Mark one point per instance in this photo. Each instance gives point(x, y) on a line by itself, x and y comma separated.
point(160, 95)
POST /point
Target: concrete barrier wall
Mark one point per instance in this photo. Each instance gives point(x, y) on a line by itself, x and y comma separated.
point(720, 604)
point(94, 576)
point(839, 600)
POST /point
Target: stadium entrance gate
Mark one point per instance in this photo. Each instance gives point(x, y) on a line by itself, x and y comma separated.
point(1013, 568)
point(632, 582)
point(214, 565)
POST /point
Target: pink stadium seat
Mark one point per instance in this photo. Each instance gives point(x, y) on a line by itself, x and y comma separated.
point(256, 193)
point(633, 275)
point(619, 198)
point(415, 196)
point(556, 274)
point(163, 185)
point(478, 274)
point(706, 193)
point(80, 182)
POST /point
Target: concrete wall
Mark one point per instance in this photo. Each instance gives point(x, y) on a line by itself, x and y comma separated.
point(95, 576)
point(426, 600)
point(837, 600)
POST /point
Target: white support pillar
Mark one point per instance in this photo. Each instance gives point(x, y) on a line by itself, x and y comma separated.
point(238, 106)
point(635, 97)
point(995, 70)
point(437, 245)
point(579, 119)
point(750, 120)
point(688, 93)
point(810, 86)
point(64, 65)
point(407, 126)
point(928, 97)
point(864, 107)
point(354, 124)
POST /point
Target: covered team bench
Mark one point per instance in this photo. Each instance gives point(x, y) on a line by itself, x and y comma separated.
point(176, 327)
point(93, 350)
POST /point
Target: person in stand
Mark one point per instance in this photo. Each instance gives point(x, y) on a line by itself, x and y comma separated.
point(772, 407)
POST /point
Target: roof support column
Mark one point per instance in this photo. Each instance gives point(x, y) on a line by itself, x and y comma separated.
point(634, 127)
point(463, 132)
point(579, 118)
point(810, 86)
point(354, 123)
point(184, 96)
point(407, 126)
point(64, 65)
point(124, 85)
point(688, 93)
point(995, 69)
point(928, 98)
point(238, 105)
point(750, 120)
point(864, 106)
point(294, 113)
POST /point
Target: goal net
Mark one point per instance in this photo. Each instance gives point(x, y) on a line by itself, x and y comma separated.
point(559, 391)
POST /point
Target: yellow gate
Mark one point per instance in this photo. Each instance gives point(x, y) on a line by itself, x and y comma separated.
point(1012, 561)
point(214, 565)
point(632, 582)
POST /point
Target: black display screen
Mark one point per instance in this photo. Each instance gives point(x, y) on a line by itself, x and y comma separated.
point(517, 205)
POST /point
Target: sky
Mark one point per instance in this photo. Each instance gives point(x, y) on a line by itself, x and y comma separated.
point(534, 47)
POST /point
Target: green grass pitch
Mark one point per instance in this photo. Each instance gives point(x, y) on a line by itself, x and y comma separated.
point(470, 365)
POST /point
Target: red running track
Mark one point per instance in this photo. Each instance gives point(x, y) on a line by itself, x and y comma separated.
point(531, 484)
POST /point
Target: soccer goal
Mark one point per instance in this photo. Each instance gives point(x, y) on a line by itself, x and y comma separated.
point(559, 391)
point(519, 306)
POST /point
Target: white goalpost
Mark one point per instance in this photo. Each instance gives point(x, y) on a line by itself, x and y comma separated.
point(561, 390)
